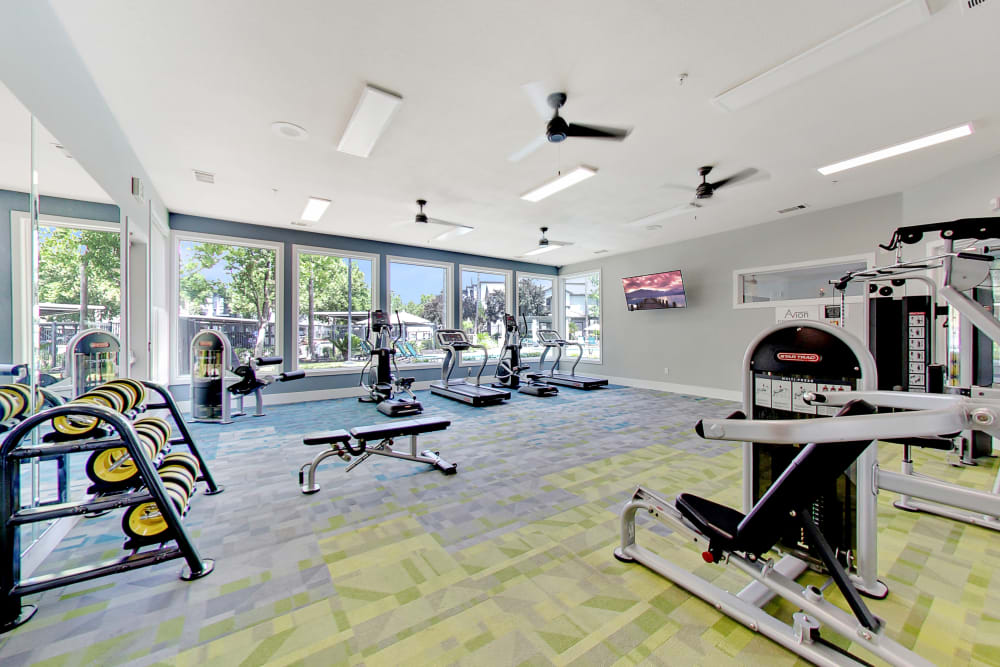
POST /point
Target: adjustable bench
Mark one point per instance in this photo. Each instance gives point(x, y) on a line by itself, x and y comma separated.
point(382, 435)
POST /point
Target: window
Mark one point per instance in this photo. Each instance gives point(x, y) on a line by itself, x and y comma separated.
point(78, 286)
point(484, 302)
point(534, 302)
point(335, 291)
point(231, 286)
point(801, 282)
point(582, 304)
point(421, 292)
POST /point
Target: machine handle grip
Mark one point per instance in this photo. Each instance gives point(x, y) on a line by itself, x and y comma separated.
point(291, 375)
point(269, 361)
point(13, 369)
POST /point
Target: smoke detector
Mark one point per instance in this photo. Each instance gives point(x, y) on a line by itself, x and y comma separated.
point(291, 131)
point(204, 176)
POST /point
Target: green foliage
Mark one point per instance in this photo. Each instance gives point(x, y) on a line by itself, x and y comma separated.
point(329, 278)
point(60, 262)
point(431, 307)
point(340, 344)
point(531, 298)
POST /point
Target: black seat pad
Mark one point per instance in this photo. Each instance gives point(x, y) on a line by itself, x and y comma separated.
point(395, 429)
point(329, 438)
point(716, 522)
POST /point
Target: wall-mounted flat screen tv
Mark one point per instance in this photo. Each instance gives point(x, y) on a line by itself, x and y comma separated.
point(654, 291)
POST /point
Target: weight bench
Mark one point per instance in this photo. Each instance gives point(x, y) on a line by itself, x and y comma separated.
point(730, 537)
point(383, 435)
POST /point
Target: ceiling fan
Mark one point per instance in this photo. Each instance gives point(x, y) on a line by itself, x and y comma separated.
point(545, 245)
point(455, 229)
point(557, 129)
point(702, 192)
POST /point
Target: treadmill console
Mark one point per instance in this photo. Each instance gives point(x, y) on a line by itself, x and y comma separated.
point(549, 337)
point(453, 338)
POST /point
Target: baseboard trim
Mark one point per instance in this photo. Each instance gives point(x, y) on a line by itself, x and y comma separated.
point(691, 389)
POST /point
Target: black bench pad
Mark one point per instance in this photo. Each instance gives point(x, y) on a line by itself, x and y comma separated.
point(329, 438)
point(395, 429)
point(716, 522)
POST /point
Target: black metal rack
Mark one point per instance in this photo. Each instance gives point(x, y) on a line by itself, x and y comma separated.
point(12, 589)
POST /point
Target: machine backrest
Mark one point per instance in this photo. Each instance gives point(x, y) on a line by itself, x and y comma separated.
point(808, 475)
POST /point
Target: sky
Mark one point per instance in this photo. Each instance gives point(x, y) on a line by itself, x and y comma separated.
point(218, 271)
point(410, 281)
point(669, 282)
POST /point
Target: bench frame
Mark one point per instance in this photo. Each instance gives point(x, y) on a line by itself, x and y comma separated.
point(340, 446)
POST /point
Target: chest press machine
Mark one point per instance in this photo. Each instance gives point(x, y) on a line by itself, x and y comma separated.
point(798, 515)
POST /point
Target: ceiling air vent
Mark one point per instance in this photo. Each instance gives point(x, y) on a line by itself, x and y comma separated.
point(203, 176)
point(971, 4)
point(299, 223)
point(797, 207)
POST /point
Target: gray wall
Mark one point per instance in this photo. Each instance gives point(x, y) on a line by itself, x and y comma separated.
point(40, 65)
point(290, 237)
point(703, 344)
point(18, 201)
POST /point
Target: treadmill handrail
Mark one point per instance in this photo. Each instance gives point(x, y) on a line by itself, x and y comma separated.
point(486, 355)
point(572, 371)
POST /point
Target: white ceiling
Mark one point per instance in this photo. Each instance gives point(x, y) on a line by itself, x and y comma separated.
point(196, 85)
point(58, 175)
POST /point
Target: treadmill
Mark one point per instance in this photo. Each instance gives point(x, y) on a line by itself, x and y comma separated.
point(453, 341)
point(549, 338)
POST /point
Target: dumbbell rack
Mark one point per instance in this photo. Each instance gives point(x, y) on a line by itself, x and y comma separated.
point(12, 589)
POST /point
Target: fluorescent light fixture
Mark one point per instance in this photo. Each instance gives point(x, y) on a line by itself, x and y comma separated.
point(542, 248)
point(568, 179)
point(373, 113)
point(899, 149)
point(900, 18)
point(454, 232)
point(315, 208)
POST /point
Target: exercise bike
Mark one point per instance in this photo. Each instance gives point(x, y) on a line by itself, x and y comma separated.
point(250, 383)
point(383, 386)
point(509, 367)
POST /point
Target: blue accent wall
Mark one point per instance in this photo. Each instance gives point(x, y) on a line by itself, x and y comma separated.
point(289, 237)
point(18, 201)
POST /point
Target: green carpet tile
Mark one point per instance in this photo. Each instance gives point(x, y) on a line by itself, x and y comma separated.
point(509, 562)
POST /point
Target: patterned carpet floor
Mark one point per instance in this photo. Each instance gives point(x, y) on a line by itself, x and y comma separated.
point(509, 562)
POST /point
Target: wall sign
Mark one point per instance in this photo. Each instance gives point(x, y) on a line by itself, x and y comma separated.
point(789, 313)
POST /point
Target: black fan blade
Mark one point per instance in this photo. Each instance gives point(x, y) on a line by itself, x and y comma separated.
point(596, 132)
point(735, 178)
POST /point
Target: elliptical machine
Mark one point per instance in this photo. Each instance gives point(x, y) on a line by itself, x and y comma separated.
point(509, 365)
point(377, 377)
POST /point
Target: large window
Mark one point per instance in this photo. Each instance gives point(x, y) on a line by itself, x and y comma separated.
point(78, 287)
point(803, 282)
point(484, 302)
point(231, 286)
point(335, 291)
point(534, 302)
point(420, 292)
point(582, 304)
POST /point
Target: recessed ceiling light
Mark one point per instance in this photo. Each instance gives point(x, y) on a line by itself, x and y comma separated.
point(653, 228)
point(315, 208)
point(203, 176)
point(560, 183)
point(899, 149)
point(373, 113)
point(289, 131)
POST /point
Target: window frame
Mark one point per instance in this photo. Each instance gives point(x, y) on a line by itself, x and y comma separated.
point(176, 237)
point(508, 282)
point(449, 294)
point(555, 294)
point(20, 238)
point(297, 251)
point(563, 327)
point(868, 258)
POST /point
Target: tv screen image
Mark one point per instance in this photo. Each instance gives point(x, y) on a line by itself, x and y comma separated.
point(654, 291)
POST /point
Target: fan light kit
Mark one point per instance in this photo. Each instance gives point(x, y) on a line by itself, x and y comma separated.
point(315, 208)
point(559, 183)
point(899, 149)
point(372, 115)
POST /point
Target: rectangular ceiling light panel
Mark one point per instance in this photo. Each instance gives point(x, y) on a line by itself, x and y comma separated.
point(373, 113)
point(559, 184)
point(315, 208)
point(895, 20)
point(899, 149)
